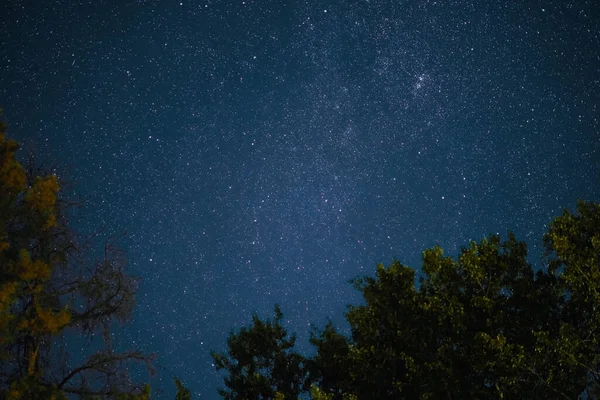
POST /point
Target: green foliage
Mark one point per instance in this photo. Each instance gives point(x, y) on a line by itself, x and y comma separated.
point(330, 364)
point(318, 394)
point(144, 394)
point(182, 392)
point(485, 325)
point(260, 363)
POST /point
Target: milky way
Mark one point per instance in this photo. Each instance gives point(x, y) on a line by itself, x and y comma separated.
point(259, 153)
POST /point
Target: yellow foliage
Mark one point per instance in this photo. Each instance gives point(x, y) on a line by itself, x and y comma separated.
point(13, 177)
point(12, 174)
point(41, 197)
point(42, 320)
point(50, 221)
point(4, 246)
point(7, 291)
point(279, 396)
point(51, 322)
point(45, 321)
point(15, 394)
point(30, 388)
point(32, 270)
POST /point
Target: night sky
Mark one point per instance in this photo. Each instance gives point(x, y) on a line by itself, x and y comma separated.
point(257, 152)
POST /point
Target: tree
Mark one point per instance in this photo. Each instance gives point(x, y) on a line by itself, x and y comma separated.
point(481, 326)
point(318, 394)
point(260, 363)
point(484, 325)
point(456, 335)
point(330, 365)
point(48, 290)
point(573, 248)
point(182, 392)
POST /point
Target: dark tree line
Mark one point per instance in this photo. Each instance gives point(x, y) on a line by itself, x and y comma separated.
point(485, 325)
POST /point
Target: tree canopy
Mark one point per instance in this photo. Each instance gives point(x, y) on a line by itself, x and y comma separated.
point(260, 362)
point(483, 325)
point(50, 291)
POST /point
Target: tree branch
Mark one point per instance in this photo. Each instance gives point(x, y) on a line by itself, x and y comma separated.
point(93, 365)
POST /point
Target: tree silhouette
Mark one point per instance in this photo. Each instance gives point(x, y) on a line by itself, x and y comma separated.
point(260, 363)
point(485, 325)
point(49, 291)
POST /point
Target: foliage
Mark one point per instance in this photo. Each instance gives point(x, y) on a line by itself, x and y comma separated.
point(318, 394)
point(182, 392)
point(484, 325)
point(330, 364)
point(260, 363)
point(46, 289)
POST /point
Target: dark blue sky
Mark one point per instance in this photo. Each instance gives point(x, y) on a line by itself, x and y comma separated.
point(265, 151)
